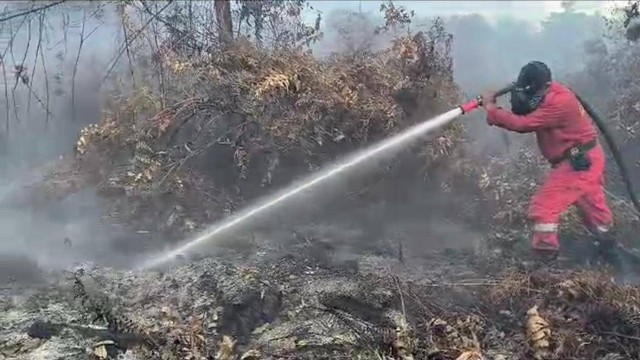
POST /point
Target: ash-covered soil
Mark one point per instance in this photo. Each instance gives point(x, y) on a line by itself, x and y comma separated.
point(278, 303)
point(310, 302)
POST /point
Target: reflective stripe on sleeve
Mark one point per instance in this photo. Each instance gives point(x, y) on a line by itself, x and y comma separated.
point(545, 227)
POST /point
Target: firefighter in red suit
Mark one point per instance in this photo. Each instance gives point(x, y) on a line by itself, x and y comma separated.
point(567, 138)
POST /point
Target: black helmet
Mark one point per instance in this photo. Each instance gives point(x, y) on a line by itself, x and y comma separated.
point(531, 87)
point(533, 77)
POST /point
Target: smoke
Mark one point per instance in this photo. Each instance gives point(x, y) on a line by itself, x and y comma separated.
point(37, 132)
point(487, 53)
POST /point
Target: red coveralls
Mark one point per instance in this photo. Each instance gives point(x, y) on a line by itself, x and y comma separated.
point(560, 123)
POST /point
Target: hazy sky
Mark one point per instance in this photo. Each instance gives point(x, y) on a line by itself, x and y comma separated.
point(531, 10)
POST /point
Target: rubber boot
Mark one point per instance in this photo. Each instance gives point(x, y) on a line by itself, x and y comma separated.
point(546, 257)
point(608, 251)
point(540, 259)
point(545, 248)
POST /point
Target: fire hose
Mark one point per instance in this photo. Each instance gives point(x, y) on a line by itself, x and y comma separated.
point(615, 151)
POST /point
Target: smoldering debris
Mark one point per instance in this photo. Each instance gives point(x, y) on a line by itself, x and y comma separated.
point(290, 308)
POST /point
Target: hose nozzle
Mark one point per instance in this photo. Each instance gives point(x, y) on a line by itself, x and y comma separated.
point(471, 105)
point(478, 101)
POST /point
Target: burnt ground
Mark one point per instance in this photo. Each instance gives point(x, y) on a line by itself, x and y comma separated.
point(304, 299)
point(324, 290)
point(278, 302)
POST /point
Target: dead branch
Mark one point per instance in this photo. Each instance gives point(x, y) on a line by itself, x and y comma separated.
point(4, 65)
point(31, 11)
point(126, 38)
point(75, 67)
point(161, 73)
point(46, 84)
point(145, 7)
point(178, 164)
point(65, 33)
point(83, 39)
point(35, 62)
point(123, 48)
point(6, 95)
point(20, 71)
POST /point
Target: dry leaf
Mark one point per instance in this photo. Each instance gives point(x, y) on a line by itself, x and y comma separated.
point(100, 352)
point(100, 349)
point(470, 355)
point(227, 345)
point(538, 334)
point(569, 289)
point(612, 356)
point(252, 354)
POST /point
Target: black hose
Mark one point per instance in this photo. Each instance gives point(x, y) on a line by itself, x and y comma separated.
point(614, 151)
point(505, 90)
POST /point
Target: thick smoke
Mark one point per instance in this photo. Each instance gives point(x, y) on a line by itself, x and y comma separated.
point(39, 132)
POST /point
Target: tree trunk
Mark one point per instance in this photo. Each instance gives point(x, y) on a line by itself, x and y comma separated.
point(223, 19)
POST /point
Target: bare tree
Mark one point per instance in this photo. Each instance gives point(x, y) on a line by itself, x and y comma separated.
point(83, 38)
point(223, 18)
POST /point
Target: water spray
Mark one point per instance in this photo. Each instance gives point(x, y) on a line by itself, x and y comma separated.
point(271, 202)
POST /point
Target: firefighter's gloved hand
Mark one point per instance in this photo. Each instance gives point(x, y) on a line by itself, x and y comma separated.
point(489, 103)
point(489, 98)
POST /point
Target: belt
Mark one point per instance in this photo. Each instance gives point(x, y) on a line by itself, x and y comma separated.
point(573, 151)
